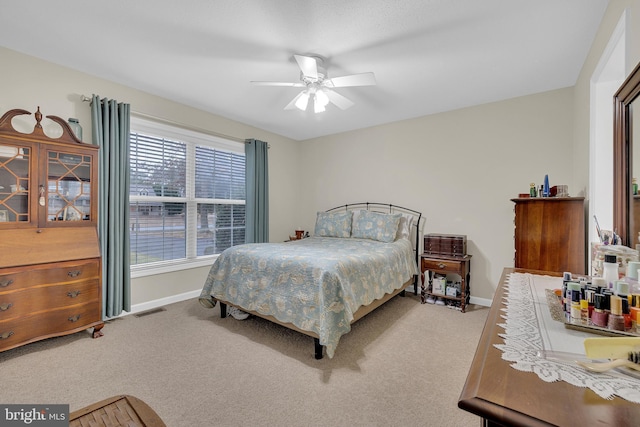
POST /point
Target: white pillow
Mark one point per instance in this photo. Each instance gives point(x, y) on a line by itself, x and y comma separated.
point(404, 228)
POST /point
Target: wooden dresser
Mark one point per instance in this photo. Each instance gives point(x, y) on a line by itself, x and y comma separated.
point(50, 265)
point(550, 234)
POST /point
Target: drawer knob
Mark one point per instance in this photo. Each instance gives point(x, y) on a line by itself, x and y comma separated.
point(5, 307)
point(5, 283)
point(74, 319)
point(74, 273)
point(441, 265)
point(5, 335)
point(73, 294)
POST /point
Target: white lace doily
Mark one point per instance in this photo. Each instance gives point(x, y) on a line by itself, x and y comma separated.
point(531, 334)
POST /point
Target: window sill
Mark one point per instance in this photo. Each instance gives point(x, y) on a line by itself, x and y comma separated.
point(152, 269)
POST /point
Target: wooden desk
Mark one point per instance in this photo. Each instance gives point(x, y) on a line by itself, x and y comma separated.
point(504, 396)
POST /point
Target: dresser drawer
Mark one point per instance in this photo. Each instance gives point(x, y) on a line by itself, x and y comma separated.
point(42, 325)
point(440, 265)
point(23, 277)
point(42, 298)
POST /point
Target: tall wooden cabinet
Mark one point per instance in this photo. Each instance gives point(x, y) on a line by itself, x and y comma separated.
point(50, 265)
point(550, 234)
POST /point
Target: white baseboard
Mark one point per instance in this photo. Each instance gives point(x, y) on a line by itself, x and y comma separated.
point(480, 301)
point(149, 305)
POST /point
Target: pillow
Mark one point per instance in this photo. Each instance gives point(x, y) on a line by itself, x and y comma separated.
point(333, 224)
point(404, 228)
point(375, 226)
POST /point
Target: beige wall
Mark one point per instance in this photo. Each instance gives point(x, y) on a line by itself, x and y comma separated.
point(28, 82)
point(459, 168)
point(582, 111)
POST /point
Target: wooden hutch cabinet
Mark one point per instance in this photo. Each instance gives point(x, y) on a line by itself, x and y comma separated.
point(550, 234)
point(50, 265)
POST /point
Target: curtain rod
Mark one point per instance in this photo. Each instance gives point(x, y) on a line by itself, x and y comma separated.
point(85, 98)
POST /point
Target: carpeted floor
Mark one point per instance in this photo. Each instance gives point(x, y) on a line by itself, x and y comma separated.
point(403, 365)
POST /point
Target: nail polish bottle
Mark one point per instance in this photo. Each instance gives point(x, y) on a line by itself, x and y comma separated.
point(621, 287)
point(616, 320)
point(599, 317)
point(634, 309)
point(626, 314)
point(571, 287)
point(584, 311)
point(599, 283)
point(576, 312)
point(588, 295)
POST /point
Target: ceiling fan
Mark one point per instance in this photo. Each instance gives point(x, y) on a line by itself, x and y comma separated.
point(318, 86)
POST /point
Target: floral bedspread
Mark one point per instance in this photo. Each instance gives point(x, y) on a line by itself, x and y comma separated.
point(315, 283)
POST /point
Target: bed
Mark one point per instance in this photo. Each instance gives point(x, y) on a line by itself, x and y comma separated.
point(360, 256)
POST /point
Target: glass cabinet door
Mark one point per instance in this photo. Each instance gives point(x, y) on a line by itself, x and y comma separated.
point(14, 183)
point(68, 187)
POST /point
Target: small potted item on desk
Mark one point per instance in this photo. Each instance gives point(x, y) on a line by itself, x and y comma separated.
point(300, 234)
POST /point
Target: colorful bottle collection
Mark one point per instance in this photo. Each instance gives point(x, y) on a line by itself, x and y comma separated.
point(605, 303)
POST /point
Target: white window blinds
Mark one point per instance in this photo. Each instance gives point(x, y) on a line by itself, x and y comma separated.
point(187, 194)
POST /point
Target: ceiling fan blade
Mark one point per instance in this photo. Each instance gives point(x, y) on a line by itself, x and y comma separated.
point(308, 65)
point(363, 79)
point(292, 104)
point(286, 84)
point(342, 102)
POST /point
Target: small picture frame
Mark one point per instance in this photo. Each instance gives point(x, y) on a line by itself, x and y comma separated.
point(4, 216)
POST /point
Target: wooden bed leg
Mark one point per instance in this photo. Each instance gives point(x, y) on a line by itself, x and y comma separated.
point(318, 348)
point(223, 310)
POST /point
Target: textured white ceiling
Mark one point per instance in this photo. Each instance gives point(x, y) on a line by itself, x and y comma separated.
point(428, 56)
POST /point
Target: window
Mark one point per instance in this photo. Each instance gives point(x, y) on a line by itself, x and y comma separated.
point(187, 195)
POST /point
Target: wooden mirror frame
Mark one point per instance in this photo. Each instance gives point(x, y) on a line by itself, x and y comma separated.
point(622, 152)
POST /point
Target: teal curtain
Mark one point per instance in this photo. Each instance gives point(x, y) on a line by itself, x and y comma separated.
point(257, 191)
point(111, 123)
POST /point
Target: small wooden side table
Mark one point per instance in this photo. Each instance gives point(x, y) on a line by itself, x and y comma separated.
point(443, 264)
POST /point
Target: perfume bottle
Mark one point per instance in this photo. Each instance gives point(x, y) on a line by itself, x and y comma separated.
point(546, 192)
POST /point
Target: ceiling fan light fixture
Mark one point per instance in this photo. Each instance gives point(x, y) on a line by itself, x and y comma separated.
point(320, 101)
point(303, 100)
point(318, 107)
point(322, 97)
point(318, 87)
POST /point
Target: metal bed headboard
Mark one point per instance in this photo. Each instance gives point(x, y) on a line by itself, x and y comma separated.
point(389, 208)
